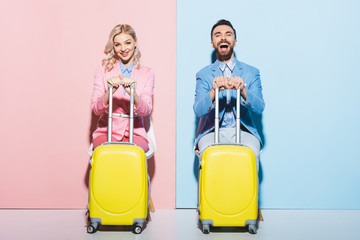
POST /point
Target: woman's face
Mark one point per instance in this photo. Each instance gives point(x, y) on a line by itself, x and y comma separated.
point(124, 46)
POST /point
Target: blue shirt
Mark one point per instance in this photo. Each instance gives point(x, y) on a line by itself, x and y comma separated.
point(229, 120)
point(125, 71)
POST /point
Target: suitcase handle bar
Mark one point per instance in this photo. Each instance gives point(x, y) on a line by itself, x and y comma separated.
point(110, 121)
point(238, 130)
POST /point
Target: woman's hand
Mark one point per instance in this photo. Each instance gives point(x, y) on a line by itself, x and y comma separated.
point(126, 82)
point(115, 82)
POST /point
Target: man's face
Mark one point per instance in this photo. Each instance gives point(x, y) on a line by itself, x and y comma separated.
point(223, 41)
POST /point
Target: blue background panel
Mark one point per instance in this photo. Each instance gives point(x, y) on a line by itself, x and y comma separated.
point(308, 53)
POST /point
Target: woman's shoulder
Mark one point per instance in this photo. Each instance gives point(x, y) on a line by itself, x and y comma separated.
point(145, 69)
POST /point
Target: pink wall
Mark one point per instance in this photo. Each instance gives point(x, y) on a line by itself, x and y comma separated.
point(49, 52)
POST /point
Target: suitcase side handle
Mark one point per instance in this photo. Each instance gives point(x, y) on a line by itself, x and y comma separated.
point(238, 129)
point(131, 118)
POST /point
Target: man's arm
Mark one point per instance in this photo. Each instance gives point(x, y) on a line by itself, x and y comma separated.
point(204, 95)
point(254, 99)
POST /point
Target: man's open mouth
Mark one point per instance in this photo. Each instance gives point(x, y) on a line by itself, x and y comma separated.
point(224, 46)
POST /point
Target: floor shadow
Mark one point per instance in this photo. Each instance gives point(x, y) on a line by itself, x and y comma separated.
point(229, 229)
point(119, 228)
point(223, 229)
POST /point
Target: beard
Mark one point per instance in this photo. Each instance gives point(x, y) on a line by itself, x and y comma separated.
point(224, 56)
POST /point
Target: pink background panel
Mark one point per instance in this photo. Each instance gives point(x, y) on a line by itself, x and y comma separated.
point(49, 53)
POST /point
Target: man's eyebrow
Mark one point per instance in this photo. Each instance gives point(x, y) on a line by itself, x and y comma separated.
point(225, 32)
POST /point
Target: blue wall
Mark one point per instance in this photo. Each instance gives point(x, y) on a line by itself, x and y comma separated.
point(308, 53)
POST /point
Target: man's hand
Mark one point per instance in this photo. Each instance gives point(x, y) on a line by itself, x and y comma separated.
point(235, 82)
point(222, 83)
point(238, 82)
point(231, 83)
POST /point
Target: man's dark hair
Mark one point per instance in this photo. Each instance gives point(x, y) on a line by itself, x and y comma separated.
point(223, 22)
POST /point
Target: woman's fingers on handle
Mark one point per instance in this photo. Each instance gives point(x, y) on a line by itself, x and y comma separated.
point(114, 81)
point(127, 82)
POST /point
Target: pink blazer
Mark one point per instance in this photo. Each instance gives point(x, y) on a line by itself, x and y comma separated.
point(144, 77)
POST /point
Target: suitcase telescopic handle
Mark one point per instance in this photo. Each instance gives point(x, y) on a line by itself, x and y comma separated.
point(131, 119)
point(238, 130)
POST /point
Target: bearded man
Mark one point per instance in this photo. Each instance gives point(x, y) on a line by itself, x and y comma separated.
point(229, 74)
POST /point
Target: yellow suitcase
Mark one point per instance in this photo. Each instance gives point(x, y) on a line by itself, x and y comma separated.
point(118, 188)
point(228, 184)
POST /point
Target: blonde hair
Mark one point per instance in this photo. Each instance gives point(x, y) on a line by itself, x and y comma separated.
point(111, 58)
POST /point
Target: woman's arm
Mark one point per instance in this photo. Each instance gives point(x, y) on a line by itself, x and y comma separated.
point(98, 103)
point(145, 99)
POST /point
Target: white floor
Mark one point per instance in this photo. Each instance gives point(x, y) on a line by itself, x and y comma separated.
point(181, 224)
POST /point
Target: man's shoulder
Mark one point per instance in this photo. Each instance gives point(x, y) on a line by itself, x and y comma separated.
point(206, 70)
point(247, 67)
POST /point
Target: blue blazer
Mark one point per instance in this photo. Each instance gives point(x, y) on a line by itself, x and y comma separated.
point(204, 108)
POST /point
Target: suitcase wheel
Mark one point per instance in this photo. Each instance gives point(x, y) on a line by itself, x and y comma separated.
point(206, 228)
point(137, 229)
point(91, 229)
point(252, 229)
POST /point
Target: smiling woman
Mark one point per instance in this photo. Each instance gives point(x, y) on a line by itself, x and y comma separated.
point(125, 33)
point(114, 93)
point(121, 68)
point(124, 46)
